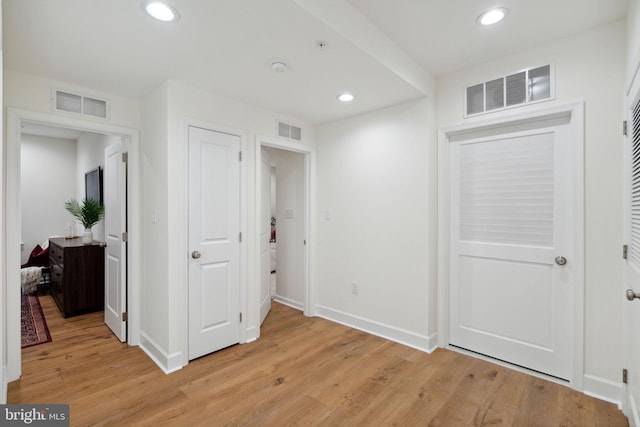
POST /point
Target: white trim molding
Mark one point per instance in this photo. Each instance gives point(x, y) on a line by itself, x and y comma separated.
point(392, 333)
point(532, 118)
point(308, 305)
point(167, 362)
point(289, 302)
point(603, 389)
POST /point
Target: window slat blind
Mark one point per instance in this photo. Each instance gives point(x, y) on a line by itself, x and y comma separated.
point(635, 188)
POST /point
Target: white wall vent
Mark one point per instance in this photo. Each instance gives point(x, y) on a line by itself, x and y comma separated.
point(521, 88)
point(286, 130)
point(70, 102)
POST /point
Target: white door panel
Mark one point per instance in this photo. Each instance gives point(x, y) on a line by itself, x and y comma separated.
point(510, 218)
point(214, 230)
point(115, 212)
point(265, 236)
point(631, 313)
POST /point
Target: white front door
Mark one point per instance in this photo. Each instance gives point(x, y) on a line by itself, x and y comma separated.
point(115, 224)
point(511, 270)
point(265, 236)
point(214, 241)
point(631, 314)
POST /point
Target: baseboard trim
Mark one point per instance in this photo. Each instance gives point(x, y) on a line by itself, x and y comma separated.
point(401, 336)
point(251, 334)
point(5, 387)
point(603, 389)
point(167, 362)
point(289, 302)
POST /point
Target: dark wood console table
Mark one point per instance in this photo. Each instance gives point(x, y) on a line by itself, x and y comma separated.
point(77, 275)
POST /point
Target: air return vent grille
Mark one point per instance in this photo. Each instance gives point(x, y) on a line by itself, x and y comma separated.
point(70, 102)
point(517, 89)
point(286, 130)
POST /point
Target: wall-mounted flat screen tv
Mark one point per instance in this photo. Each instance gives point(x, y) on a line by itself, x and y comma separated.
point(93, 184)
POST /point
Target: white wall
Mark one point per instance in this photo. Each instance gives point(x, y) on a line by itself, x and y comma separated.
point(376, 210)
point(48, 180)
point(164, 162)
point(154, 328)
point(590, 67)
point(90, 155)
point(33, 93)
point(633, 39)
point(290, 237)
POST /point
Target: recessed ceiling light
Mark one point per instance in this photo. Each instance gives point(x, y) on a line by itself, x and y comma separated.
point(161, 11)
point(346, 97)
point(493, 16)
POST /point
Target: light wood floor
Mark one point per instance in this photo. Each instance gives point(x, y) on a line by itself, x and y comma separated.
point(302, 371)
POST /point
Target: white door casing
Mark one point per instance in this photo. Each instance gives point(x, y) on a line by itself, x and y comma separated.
point(214, 241)
point(501, 293)
point(265, 236)
point(15, 117)
point(309, 216)
point(115, 224)
point(631, 277)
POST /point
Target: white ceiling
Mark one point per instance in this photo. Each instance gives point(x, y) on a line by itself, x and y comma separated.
point(377, 49)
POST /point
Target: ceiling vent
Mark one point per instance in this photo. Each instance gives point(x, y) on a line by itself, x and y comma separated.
point(286, 130)
point(69, 102)
point(517, 89)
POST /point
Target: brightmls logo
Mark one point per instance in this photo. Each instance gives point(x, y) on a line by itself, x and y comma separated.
point(34, 415)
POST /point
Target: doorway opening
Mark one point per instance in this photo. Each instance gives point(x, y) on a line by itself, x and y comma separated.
point(19, 122)
point(283, 224)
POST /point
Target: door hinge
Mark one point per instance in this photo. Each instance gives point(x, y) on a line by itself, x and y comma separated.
point(125, 316)
point(125, 237)
point(624, 376)
point(240, 317)
point(125, 157)
point(625, 251)
point(239, 156)
point(240, 237)
point(625, 131)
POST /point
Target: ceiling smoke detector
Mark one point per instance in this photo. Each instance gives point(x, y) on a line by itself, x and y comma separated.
point(278, 66)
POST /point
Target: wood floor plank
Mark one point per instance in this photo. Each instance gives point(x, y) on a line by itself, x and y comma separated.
point(301, 372)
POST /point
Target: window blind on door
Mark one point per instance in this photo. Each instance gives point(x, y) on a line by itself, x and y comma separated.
point(635, 188)
point(506, 190)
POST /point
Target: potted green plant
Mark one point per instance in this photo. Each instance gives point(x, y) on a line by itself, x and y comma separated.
point(89, 212)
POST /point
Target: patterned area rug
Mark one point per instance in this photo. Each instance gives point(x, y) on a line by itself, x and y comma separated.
point(34, 325)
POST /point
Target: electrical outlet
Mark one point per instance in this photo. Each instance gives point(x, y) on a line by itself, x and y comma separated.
point(354, 288)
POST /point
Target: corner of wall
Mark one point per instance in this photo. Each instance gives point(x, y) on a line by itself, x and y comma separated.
point(168, 362)
point(603, 389)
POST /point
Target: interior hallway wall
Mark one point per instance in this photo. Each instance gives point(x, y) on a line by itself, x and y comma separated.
point(376, 214)
point(48, 180)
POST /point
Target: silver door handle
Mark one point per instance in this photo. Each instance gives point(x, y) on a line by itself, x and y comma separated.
point(632, 295)
point(560, 260)
point(195, 254)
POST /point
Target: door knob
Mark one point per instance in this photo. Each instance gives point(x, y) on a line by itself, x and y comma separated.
point(195, 255)
point(561, 260)
point(632, 295)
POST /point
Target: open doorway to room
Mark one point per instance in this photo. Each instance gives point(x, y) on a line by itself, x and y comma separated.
point(48, 158)
point(283, 173)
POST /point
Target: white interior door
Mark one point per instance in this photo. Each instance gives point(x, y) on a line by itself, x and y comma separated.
point(214, 234)
point(115, 225)
point(631, 313)
point(511, 216)
point(265, 236)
